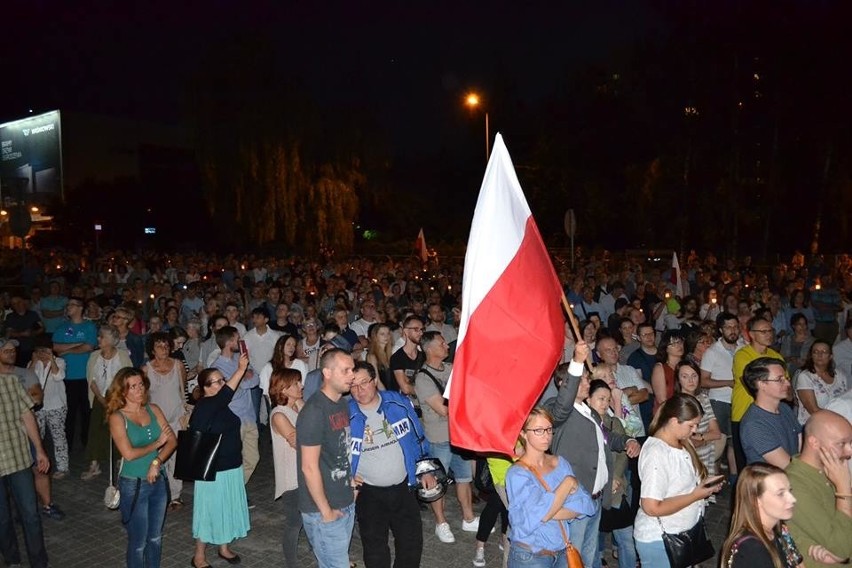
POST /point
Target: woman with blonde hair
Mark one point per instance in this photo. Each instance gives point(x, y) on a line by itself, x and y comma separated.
point(101, 369)
point(759, 535)
point(674, 484)
point(379, 353)
point(544, 497)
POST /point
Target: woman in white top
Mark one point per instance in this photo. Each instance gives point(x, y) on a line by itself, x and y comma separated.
point(673, 490)
point(283, 357)
point(50, 371)
point(102, 366)
point(285, 390)
point(819, 381)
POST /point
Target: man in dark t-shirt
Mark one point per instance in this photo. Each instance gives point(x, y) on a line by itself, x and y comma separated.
point(326, 498)
point(408, 359)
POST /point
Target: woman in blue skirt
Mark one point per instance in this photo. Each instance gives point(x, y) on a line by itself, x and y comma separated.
point(219, 508)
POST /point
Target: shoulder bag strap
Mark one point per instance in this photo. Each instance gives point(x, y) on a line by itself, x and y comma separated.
point(546, 488)
point(438, 385)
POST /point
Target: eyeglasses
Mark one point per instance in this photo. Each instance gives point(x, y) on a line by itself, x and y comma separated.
point(675, 341)
point(360, 386)
point(541, 431)
point(821, 352)
point(216, 382)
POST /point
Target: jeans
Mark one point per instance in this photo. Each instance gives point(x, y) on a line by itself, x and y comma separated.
point(521, 557)
point(584, 535)
point(330, 541)
point(143, 516)
point(381, 508)
point(452, 461)
point(20, 485)
point(622, 539)
point(653, 554)
point(292, 527)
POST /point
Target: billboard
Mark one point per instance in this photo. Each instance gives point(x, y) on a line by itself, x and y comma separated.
point(31, 157)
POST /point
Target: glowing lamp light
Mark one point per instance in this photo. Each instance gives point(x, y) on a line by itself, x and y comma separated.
point(472, 100)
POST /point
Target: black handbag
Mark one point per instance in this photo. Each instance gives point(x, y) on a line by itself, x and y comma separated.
point(195, 459)
point(689, 547)
point(616, 518)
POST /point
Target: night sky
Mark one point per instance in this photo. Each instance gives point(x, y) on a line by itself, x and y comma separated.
point(403, 68)
point(407, 65)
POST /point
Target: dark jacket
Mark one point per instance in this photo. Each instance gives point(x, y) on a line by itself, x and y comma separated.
point(575, 439)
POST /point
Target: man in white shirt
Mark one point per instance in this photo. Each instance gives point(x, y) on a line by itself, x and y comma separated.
point(718, 377)
point(361, 326)
point(260, 341)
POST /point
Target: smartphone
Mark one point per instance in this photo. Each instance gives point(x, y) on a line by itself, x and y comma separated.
point(714, 481)
point(243, 348)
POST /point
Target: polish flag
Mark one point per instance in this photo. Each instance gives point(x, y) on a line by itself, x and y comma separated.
point(420, 246)
point(676, 277)
point(512, 325)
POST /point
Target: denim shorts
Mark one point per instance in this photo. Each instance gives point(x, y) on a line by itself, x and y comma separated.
point(461, 467)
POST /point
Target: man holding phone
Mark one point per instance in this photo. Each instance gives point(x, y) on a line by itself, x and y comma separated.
point(228, 340)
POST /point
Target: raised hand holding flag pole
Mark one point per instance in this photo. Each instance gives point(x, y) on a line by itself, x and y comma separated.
point(512, 326)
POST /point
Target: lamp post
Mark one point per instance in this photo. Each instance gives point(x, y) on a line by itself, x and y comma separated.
point(473, 101)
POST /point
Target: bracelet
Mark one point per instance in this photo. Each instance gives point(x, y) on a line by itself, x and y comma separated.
point(843, 495)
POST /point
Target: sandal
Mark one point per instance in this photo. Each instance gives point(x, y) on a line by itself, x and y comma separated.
point(175, 504)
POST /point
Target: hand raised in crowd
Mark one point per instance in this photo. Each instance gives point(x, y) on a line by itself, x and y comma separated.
point(581, 352)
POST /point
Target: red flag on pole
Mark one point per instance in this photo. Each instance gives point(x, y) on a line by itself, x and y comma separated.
point(512, 326)
point(420, 246)
point(676, 277)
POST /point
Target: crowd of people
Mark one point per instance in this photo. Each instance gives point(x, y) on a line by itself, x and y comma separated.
point(731, 373)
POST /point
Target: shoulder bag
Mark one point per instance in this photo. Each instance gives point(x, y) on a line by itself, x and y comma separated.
point(572, 555)
point(689, 547)
point(112, 496)
point(196, 454)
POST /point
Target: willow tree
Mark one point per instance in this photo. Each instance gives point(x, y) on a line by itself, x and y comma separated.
point(274, 168)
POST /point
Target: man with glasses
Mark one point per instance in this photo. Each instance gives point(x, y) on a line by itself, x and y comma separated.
point(769, 430)
point(387, 439)
point(717, 375)
point(762, 336)
point(74, 340)
point(408, 359)
point(644, 359)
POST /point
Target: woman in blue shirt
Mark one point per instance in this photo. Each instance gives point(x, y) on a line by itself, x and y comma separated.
point(540, 515)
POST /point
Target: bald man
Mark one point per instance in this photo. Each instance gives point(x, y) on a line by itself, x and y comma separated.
point(822, 485)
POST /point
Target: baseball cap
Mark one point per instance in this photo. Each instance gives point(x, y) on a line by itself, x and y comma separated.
point(12, 342)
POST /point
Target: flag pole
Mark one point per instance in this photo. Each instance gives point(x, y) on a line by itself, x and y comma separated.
point(575, 327)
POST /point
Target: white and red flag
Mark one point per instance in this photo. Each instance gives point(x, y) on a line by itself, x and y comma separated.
point(420, 246)
point(676, 277)
point(512, 326)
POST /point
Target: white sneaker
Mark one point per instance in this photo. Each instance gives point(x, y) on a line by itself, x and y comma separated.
point(479, 559)
point(471, 526)
point(444, 534)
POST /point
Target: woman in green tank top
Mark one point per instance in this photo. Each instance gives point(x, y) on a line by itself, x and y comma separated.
point(145, 440)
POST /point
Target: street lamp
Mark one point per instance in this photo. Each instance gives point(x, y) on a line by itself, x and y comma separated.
point(473, 101)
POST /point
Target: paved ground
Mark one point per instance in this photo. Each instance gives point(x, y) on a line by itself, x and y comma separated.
point(91, 535)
